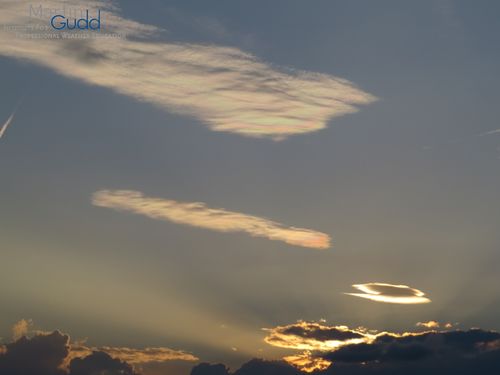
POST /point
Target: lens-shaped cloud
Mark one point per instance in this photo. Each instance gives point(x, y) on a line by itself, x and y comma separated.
point(225, 88)
point(389, 293)
point(198, 214)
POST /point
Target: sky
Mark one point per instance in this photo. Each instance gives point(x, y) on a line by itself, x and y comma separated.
point(199, 174)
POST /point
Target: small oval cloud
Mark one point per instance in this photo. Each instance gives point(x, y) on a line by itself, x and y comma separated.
point(389, 293)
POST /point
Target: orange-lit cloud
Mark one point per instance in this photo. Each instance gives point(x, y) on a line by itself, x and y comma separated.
point(314, 339)
point(312, 336)
point(21, 328)
point(307, 362)
point(198, 214)
point(227, 89)
point(78, 349)
point(133, 355)
point(432, 324)
point(389, 293)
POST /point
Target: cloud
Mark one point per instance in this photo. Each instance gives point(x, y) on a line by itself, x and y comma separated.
point(100, 363)
point(225, 88)
point(260, 367)
point(432, 324)
point(210, 369)
point(132, 355)
point(198, 214)
point(389, 348)
point(307, 362)
point(21, 328)
point(39, 355)
point(312, 336)
point(491, 132)
point(4, 127)
point(470, 352)
point(381, 292)
point(53, 353)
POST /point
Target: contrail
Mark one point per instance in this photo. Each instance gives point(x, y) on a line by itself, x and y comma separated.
point(6, 125)
point(496, 131)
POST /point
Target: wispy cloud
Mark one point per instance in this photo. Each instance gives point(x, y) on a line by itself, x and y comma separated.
point(389, 293)
point(132, 355)
point(4, 127)
point(491, 132)
point(226, 88)
point(198, 214)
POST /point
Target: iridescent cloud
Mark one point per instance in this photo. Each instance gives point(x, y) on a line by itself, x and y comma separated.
point(227, 89)
point(198, 214)
point(389, 293)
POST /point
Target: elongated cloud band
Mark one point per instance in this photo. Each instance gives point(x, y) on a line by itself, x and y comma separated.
point(226, 88)
point(491, 132)
point(197, 214)
point(133, 355)
point(6, 125)
point(381, 292)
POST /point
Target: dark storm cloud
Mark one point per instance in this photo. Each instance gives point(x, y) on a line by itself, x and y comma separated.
point(210, 369)
point(39, 355)
point(100, 363)
point(46, 354)
point(469, 352)
point(53, 353)
point(322, 333)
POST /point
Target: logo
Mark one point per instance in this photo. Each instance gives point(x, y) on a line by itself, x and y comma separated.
point(61, 22)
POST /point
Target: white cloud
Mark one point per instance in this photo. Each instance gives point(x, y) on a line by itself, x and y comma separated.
point(491, 132)
point(198, 214)
point(389, 293)
point(6, 125)
point(225, 88)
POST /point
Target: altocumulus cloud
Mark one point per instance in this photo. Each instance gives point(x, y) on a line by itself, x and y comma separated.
point(198, 214)
point(389, 293)
point(225, 88)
